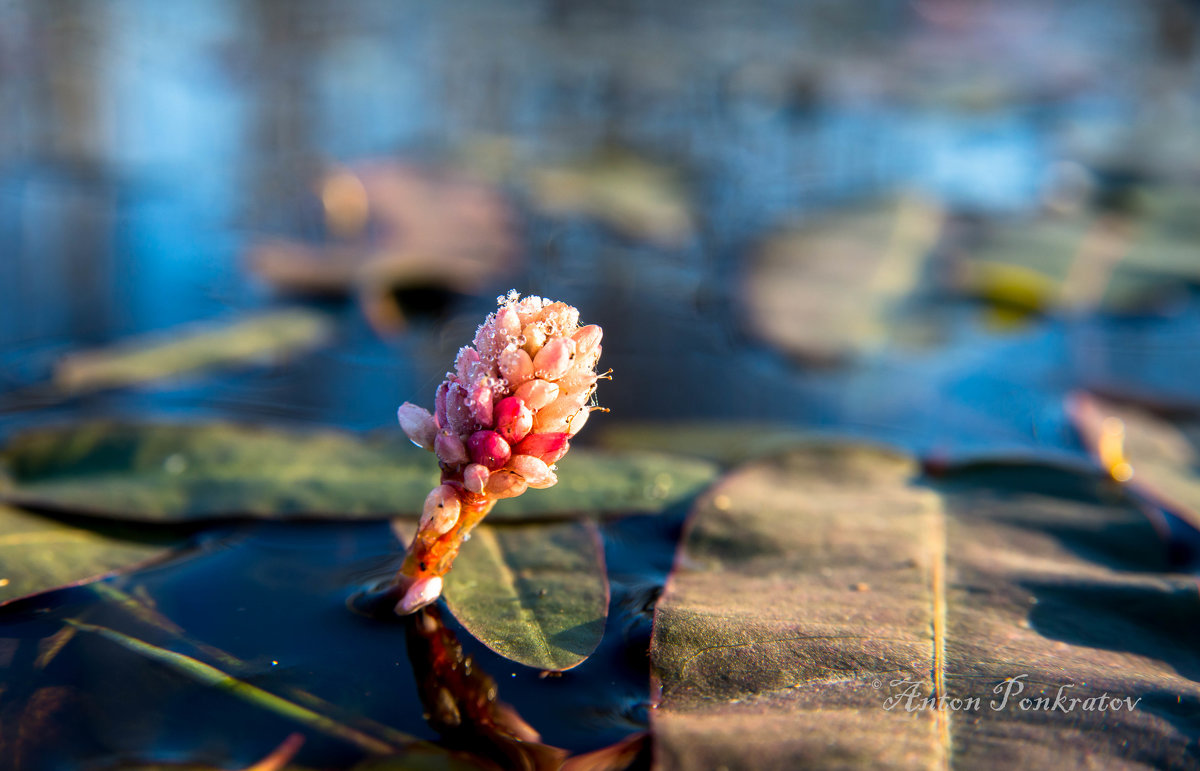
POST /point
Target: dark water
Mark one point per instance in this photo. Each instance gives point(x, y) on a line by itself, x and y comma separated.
point(158, 143)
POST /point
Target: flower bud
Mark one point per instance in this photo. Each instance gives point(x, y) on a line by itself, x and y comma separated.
point(439, 405)
point(441, 510)
point(465, 362)
point(537, 393)
point(488, 448)
point(566, 405)
point(508, 322)
point(549, 447)
point(516, 367)
point(475, 477)
point(479, 404)
point(513, 419)
point(418, 425)
point(449, 448)
point(554, 359)
point(587, 338)
point(535, 338)
point(506, 484)
point(458, 413)
point(422, 592)
point(535, 471)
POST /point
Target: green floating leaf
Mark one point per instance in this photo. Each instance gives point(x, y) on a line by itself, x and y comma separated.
point(818, 589)
point(1083, 259)
point(183, 472)
point(536, 593)
point(830, 290)
point(265, 338)
point(38, 554)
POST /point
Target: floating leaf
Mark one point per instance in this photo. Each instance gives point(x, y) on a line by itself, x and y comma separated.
point(831, 289)
point(633, 195)
point(37, 553)
point(1085, 259)
point(266, 338)
point(180, 472)
point(815, 590)
point(724, 443)
point(537, 594)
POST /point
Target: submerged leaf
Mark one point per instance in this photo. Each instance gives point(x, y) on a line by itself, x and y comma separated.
point(265, 338)
point(537, 594)
point(182, 472)
point(38, 554)
point(815, 591)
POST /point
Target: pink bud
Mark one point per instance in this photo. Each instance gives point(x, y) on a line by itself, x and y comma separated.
point(554, 359)
point(516, 367)
point(449, 448)
point(422, 592)
point(465, 361)
point(458, 413)
point(479, 403)
point(508, 321)
point(587, 338)
point(566, 405)
point(488, 448)
point(513, 419)
point(441, 510)
point(534, 470)
point(548, 446)
point(537, 393)
point(535, 338)
point(506, 484)
point(439, 403)
point(475, 477)
point(578, 379)
point(577, 420)
point(418, 424)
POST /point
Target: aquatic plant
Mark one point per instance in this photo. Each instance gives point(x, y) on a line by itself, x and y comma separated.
point(502, 419)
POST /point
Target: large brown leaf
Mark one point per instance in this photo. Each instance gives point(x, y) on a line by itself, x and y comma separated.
point(814, 590)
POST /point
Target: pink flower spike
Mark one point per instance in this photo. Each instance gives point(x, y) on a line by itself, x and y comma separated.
point(513, 419)
point(554, 359)
point(418, 425)
point(534, 470)
point(488, 448)
point(537, 393)
point(475, 477)
point(450, 449)
point(549, 447)
point(423, 591)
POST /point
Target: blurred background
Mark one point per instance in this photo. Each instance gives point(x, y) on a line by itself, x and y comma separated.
point(921, 221)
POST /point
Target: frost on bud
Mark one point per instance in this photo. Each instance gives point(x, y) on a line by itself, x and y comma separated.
point(537, 393)
point(535, 471)
point(506, 484)
point(554, 359)
point(508, 322)
point(513, 419)
point(549, 447)
point(441, 510)
point(516, 367)
point(422, 592)
point(418, 425)
point(465, 362)
point(487, 448)
point(535, 338)
point(475, 477)
point(449, 448)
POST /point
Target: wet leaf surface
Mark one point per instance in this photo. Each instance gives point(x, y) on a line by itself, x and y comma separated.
point(815, 589)
point(160, 472)
point(39, 553)
point(266, 338)
point(832, 289)
point(536, 594)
